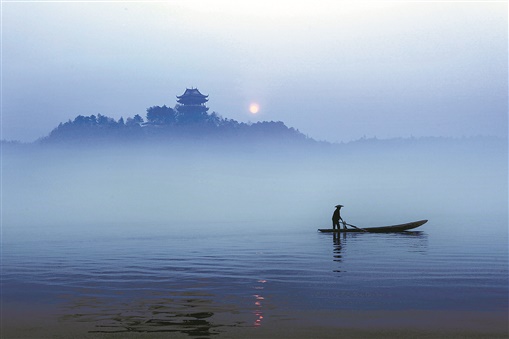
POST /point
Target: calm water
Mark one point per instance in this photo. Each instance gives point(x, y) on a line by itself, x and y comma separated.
point(197, 280)
point(125, 240)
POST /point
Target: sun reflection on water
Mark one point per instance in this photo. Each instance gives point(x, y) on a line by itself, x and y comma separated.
point(258, 312)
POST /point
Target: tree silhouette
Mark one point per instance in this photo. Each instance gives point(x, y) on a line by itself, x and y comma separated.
point(157, 115)
point(135, 121)
point(188, 121)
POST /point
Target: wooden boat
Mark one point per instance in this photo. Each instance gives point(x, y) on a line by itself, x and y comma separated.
point(380, 229)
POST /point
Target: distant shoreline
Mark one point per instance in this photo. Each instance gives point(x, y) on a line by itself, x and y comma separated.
point(358, 142)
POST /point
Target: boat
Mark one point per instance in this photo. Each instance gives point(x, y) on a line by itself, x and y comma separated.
point(379, 229)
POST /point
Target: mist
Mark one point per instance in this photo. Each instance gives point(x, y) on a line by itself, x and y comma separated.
point(222, 187)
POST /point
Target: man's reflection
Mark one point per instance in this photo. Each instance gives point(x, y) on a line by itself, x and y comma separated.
point(339, 240)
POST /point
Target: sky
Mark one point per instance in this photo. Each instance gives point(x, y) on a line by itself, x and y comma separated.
point(335, 70)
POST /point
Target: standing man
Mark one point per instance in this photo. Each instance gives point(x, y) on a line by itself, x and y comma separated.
point(336, 217)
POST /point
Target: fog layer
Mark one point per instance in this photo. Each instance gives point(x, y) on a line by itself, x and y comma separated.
point(238, 189)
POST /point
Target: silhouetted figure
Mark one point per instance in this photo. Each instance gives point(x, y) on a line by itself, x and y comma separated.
point(336, 217)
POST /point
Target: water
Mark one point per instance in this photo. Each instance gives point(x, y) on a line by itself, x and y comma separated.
point(202, 244)
point(199, 281)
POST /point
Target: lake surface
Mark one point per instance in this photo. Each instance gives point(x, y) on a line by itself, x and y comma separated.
point(204, 280)
point(151, 241)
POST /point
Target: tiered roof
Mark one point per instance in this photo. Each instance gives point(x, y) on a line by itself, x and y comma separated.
point(192, 96)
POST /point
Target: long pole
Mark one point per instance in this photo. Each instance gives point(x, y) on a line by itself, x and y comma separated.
point(359, 228)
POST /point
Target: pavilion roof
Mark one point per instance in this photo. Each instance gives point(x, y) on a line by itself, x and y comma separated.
point(192, 92)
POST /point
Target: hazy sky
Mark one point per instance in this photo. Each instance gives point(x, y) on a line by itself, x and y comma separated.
point(335, 70)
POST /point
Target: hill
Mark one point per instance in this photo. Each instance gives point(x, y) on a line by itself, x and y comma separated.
point(101, 128)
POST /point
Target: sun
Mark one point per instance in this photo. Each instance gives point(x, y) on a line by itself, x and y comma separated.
point(254, 108)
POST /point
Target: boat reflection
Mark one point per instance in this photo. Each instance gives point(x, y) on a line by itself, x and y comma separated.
point(409, 241)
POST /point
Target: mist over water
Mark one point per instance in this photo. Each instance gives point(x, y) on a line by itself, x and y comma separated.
point(75, 188)
point(137, 236)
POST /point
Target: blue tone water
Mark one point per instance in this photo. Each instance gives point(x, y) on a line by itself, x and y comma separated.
point(199, 241)
point(157, 277)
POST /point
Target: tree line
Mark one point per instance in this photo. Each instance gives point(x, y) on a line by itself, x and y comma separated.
point(166, 122)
